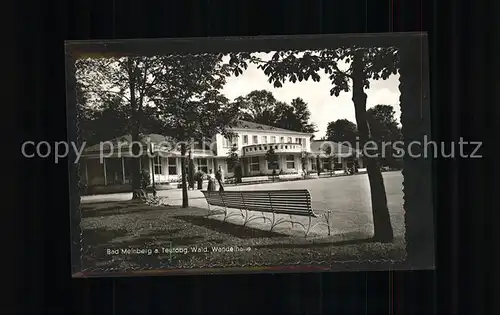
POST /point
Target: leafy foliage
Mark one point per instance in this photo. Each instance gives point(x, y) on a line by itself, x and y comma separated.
point(303, 160)
point(384, 128)
point(383, 123)
point(342, 130)
point(233, 158)
point(145, 179)
point(260, 106)
point(293, 66)
point(272, 158)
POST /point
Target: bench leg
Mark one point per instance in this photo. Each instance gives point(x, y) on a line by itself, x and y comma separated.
point(251, 218)
point(273, 222)
point(291, 220)
point(308, 226)
point(225, 214)
point(327, 219)
point(327, 223)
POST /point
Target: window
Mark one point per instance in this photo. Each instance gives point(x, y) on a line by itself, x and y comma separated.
point(264, 139)
point(298, 140)
point(313, 164)
point(203, 165)
point(273, 139)
point(172, 166)
point(229, 142)
point(282, 139)
point(255, 139)
point(157, 165)
point(289, 140)
point(290, 161)
point(254, 164)
point(128, 167)
point(245, 139)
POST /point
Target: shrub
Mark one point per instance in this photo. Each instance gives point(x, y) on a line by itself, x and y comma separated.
point(145, 179)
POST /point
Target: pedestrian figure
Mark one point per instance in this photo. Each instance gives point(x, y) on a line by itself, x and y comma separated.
point(211, 181)
point(199, 179)
point(218, 176)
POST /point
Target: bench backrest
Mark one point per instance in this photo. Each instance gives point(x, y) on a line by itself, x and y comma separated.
point(293, 202)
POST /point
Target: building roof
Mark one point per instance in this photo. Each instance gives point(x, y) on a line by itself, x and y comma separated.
point(338, 149)
point(157, 138)
point(243, 124)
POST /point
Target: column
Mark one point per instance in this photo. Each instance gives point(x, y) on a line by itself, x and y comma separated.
point(178, 162)
point(86, 172)
point(105, 176)
point(123, 171)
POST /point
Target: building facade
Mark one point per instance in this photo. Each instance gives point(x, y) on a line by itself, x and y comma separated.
point(107, 167)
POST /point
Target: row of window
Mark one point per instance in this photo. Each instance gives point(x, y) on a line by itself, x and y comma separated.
point(265, 147)
point(263, 140)
point(254, 163)
point(172, 165)
point(202, 163)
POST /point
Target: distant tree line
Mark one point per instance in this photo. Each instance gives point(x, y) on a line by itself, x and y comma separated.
point(383, 128)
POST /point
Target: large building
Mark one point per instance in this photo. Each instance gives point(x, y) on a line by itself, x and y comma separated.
point(161, 157)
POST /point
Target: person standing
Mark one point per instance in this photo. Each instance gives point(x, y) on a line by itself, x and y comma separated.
point(199, 179)
point(218, 176)
point(211, 181)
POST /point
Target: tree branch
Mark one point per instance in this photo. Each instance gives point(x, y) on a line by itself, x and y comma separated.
point(112, 92)
point(142, 90)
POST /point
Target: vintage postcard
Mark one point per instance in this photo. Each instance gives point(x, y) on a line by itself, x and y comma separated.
point(262, 154)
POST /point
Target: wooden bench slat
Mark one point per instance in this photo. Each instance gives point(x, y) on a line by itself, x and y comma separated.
point(292, 202)
point(250, 204)
point(249, 193)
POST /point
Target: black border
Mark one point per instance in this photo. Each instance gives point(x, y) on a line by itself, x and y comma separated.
point(415, 118)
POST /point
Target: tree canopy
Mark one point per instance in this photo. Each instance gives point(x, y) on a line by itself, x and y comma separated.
point(383, 123)
point(260, 106)
point(342, 130)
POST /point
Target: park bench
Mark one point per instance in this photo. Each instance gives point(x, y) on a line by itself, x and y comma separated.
point(288, 202)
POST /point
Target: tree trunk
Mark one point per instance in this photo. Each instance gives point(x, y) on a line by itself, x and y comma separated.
point(134, 133)
point(185, 200)
point(136, 166)
point(383, 231)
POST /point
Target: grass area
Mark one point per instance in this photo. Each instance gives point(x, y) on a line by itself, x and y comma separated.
point(109, 227)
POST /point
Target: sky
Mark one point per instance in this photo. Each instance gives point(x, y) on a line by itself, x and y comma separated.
point(323, 107)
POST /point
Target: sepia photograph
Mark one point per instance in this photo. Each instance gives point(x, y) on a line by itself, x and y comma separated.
point(248, 154)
